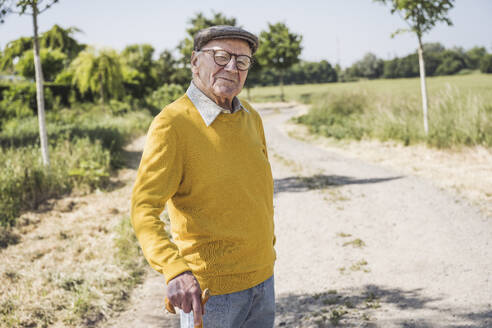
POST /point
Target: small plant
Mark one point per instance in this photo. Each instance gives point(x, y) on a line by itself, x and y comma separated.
point(356, 243)
point(336, 316)
point(360, 266)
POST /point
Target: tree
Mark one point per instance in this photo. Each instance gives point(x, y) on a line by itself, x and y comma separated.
point(33, 8)
point(486, 64)
point(53, 64)
point(61, 39)
point(98, 71)
point(452, 61)
point(474, 57)
point(280, 49)
point(197, 23)
point(138, 58)
point(370, 66)
point(13, 51)
point(56, 38)
point(421, 16)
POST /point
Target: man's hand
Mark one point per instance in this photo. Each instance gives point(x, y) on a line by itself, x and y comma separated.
point(184, 292)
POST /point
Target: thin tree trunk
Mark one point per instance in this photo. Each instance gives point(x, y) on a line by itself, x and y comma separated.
point(281, 85)
point(102, 89)
point(423, 85)
point(39, 89)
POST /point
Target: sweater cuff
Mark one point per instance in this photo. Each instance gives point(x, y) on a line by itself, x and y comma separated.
point(175, 269)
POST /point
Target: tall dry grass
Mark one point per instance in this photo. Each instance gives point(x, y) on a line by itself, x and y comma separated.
point(456, 118)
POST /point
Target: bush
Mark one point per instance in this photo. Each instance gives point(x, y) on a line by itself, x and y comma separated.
point(336, 115)
point(25, 182)
point(84, 146)
point(486, 64)
point(455, 118)
point(52, 60)
point(164, 96)
point(19, 101)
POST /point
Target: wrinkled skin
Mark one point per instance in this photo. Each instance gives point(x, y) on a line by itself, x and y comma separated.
point(221, 84)
point(185, 293)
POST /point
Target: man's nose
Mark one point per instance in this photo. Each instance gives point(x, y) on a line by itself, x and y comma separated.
point(231, 65)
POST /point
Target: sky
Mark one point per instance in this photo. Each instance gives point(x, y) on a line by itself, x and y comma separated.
point(340, 31)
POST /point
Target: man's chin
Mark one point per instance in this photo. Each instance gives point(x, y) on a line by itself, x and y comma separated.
point(227, 91)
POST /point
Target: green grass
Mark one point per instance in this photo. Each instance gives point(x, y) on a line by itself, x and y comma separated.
point(477, 84)
point(84, 147)
point(460, 109)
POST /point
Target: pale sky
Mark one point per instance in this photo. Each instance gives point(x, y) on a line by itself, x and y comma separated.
point(335, 30)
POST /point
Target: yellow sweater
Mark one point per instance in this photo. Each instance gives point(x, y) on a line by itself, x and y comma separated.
point(218, 187)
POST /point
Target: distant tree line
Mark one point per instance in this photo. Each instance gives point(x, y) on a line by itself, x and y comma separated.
point(438, 61)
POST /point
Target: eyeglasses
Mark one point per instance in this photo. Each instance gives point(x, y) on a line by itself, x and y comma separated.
point(222, 58)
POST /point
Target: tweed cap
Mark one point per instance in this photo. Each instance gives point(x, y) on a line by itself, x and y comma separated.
point(224, 32)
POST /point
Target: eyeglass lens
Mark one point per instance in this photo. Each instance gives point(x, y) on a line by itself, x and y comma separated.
point(222, 58)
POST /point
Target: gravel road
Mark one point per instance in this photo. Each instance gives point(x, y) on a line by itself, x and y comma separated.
point(359, 245)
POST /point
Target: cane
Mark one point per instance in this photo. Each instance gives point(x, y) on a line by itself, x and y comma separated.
point(205, 297)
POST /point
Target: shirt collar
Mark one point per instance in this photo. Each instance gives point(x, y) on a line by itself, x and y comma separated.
point(207, 108)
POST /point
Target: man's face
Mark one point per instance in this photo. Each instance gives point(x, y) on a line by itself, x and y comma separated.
point(214, 80)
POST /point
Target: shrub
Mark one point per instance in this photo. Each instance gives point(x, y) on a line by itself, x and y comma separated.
point(84, 146)
point(486, 64)
point(25, 182)
point(336, 115)
point(164, 96)
point(19, 101)
point(456, 118)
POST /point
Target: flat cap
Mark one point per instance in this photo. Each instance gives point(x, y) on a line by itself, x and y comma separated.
point(224, 32)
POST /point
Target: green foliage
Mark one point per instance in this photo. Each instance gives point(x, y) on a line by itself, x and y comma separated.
point(169, 71)
point(59, 38)
point(25, 182)
point(474, 57)
point(300, 73)
point(370, 67)
point(486, 64)
point(14, 50)
point(452, 63)
point(85, 145)
point(53, 63)
point(139, 72)
point(421, 15)
point(457, 118)
point(163, 96)
point(19, 101)
point(98, 71)
point(279, 47)
point(336, 115)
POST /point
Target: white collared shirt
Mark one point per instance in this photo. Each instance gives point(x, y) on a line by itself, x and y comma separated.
point(207, 108)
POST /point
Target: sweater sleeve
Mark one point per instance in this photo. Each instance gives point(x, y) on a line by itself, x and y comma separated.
point(158, 178)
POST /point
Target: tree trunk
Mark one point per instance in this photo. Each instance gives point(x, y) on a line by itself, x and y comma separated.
point(423, 86)
point(249, 95)
point(40, 89)
point(282, 98)
point(102, 89)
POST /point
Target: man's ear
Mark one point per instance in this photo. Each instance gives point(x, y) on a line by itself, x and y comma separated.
point(193, 61)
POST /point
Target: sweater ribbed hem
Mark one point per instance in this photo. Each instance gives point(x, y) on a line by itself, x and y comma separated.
point(226, 284)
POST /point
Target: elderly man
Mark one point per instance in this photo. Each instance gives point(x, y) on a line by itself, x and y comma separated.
point(206, 159)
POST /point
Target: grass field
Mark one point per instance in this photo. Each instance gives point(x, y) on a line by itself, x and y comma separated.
point(478, 84)
point(460, 109)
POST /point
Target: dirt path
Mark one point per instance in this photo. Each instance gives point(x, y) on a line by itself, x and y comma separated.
point(359, 245)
